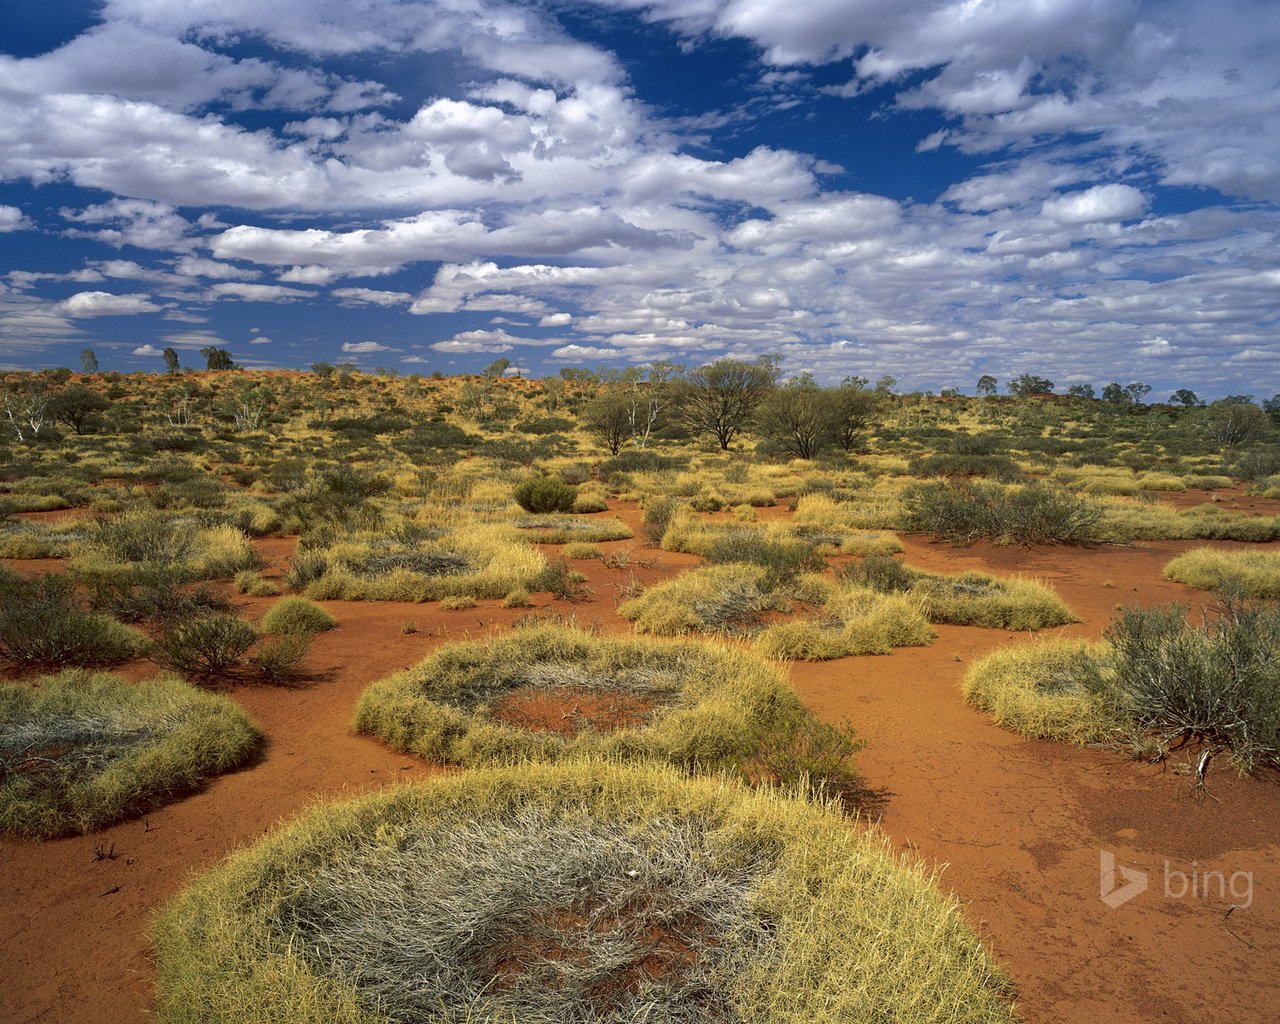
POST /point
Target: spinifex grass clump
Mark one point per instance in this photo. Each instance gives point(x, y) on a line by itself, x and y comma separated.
point(727, 598)
point(571, 894)
point(121, 547)
point(551, 691)
point(1156, 680)
point(481, 560)
point(84, 750)
point(1239, 573)
point(969, 599)
point(42, 626)
point(854, 620)
point(561, 529)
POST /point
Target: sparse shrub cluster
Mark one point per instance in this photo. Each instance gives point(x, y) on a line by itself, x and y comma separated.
point(42, 626)
point(1022, 514)
point(1156, 679)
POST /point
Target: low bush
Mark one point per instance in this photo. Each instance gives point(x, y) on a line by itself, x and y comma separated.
point(544, 494)
point(276, 658)
point(590, 892)
point(42, 626)
point(206, 646)
point(1027, 514)
point(81, 751)
point(296, 616)
point(154, 594)
point(1154, 680)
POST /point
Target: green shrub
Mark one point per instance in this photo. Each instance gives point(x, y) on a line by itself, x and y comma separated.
point(276, 658)
point(1219, 682)
point(82, 751)
point(296, 616)
point(1028, 514)
point(206, 646)
point(544, 494)
point(585, 892)
point(153, 593)
point(43, 627)
point(1155, 680)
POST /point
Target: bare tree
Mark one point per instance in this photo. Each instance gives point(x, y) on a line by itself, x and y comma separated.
point(648, 394)
point(27, 412)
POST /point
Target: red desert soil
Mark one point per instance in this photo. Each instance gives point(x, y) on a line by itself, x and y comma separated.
point(1018, 826)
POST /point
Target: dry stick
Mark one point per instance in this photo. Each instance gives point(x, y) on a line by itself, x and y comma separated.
point(1202, 770)
point(1228, 927)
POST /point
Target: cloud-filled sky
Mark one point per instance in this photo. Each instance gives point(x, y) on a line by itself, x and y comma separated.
point(932, 189)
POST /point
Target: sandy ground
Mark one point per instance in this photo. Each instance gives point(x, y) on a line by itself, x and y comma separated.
point(1017, 828)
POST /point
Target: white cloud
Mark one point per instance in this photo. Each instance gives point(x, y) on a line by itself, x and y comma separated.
point(575, 352)
point(371, 297)
point(261, 339)
point(364, 347)
point(556, 320)
point(257, 292)
point(147, 350)
point(1102, 203)
point(88, 304)
point(13, 219)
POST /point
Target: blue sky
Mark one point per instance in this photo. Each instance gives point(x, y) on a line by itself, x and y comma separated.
point(932, 189)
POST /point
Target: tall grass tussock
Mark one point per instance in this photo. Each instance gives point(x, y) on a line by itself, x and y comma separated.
point(1254, 574)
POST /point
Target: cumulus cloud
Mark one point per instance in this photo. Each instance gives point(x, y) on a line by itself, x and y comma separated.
point(1101, 203)
point(365, 347)
point(13, 219)
point(147, 350)
point(89, 304)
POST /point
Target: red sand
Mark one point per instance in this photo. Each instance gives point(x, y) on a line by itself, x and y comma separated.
point(1017, 827)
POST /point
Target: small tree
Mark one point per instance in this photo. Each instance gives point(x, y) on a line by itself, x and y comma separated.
point(853, 408)
point(721, 397)
point(1115, 394)
point(217, 358)
point(170, 360)
point(987, 385)
point(322, 370)
point(1028, 384)
point(496, 368)
point(1271, 407)
point(1081, 391)
point(76, 406)
point(1233, 421)
point(886, 384)
point(648, 393)
point(608, 420)
point(1137, 391)
point(1185, 398)
point(88, 361)
point(797, 416)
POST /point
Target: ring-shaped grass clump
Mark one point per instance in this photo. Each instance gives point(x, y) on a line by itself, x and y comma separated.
point(549, 691)
point(577, 893)
point(82, 750)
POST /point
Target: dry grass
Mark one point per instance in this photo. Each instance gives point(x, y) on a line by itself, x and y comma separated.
point(571, 894)
point(703, 704)
point(728, 598)
point(1254, 574)
point(855, 620)
point(84, 750)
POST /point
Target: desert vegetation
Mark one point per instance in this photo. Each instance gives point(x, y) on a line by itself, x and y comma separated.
point(648, 621)
point(582, 892)
point(82, 750)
